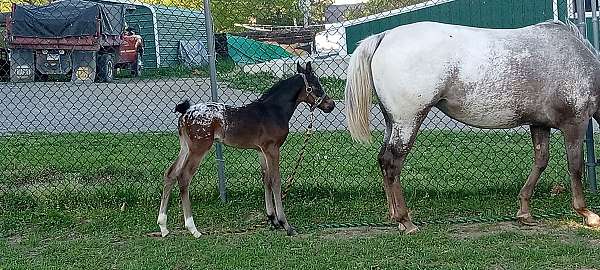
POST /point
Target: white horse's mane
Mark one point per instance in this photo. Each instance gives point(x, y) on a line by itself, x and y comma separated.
point(578, 34)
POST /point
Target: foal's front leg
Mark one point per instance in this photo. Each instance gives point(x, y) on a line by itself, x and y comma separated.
point(266, 178)
point(273, 168)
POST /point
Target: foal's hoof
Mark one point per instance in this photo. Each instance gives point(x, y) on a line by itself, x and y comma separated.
point(274, 223)
point(291, 231)
point(408, 227)
point(527, 221)
point(164, 232)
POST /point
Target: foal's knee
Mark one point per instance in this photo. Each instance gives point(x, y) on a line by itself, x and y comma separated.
point(173, 171)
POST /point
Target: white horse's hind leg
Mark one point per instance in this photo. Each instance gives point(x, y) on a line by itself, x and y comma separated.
point(400, 137)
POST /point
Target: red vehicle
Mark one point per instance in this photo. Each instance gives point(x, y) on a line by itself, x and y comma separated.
point(83, 40)
point(131, 52)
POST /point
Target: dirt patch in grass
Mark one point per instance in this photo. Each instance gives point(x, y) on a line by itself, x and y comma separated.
point(14, 240)
point(478, 230)
point(594, 242)
point(564, 231)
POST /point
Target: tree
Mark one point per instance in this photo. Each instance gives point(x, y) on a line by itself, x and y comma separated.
point(278, 12)
point(6, 6)
point(227, 13)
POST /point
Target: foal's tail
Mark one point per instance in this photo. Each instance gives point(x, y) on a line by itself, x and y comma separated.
point(183, 106)
point(359, 88)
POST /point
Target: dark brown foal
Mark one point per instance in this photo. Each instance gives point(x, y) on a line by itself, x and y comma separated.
point(262, 125)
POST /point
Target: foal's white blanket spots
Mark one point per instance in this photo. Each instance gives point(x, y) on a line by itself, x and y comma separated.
point(202, 115)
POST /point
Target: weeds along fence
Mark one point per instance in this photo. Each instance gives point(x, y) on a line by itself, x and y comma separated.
point(73, 131)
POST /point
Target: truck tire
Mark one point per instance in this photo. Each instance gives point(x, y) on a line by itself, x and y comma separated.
point(39, 77)
point(106, 68)
point(136, 68)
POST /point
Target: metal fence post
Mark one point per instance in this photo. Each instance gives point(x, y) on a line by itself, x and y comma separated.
point(595, 24)
point(210, 37)
point(589, 135)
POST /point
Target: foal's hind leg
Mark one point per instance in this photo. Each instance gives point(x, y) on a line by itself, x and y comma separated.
point(391, 160)
point(573, 140)
point(189, 169)
point(266, 178)
point(169, 179)
point(540, 137)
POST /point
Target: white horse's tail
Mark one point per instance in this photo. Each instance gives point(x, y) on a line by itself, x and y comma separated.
point(359, 88)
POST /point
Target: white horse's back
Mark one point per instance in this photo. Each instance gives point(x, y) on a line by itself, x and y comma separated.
point(481, 77)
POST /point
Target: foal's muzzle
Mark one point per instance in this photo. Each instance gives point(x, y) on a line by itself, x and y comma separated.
point(326, 105)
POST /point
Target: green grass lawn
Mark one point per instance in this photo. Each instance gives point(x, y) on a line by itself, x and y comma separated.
point(61, 195)
point(102, 238)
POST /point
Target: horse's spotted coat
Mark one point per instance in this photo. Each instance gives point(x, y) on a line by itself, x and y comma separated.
point(545, 76)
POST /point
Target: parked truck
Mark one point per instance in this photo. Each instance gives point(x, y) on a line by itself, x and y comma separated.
point(82, 40)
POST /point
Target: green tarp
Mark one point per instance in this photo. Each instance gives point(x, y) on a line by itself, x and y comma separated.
point(248, 51)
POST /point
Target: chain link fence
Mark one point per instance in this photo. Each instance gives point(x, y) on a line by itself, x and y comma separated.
point(89, 88)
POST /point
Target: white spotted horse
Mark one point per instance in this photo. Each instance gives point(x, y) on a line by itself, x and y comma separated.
point(545, 76)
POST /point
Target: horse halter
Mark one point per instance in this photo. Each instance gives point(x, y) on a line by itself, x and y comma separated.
point(318, 100)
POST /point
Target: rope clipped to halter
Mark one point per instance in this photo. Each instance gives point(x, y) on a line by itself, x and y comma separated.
point(309, 132)
point(290, 179)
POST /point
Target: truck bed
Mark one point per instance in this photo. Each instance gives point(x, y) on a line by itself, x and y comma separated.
point(89, 43)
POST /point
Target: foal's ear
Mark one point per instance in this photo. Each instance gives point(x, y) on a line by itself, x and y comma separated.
point(308, 67)
point(299, 68)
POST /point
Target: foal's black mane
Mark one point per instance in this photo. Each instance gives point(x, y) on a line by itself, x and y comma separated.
point(285, 89)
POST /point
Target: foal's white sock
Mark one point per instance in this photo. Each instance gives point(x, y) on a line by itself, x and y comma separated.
point(189, 224)
point(162, 223)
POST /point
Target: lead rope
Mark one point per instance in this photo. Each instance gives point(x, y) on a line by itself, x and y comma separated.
point(290, 179)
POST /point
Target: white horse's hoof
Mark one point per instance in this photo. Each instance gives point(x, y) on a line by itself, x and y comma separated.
point(592, 220)
point(412, 230)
